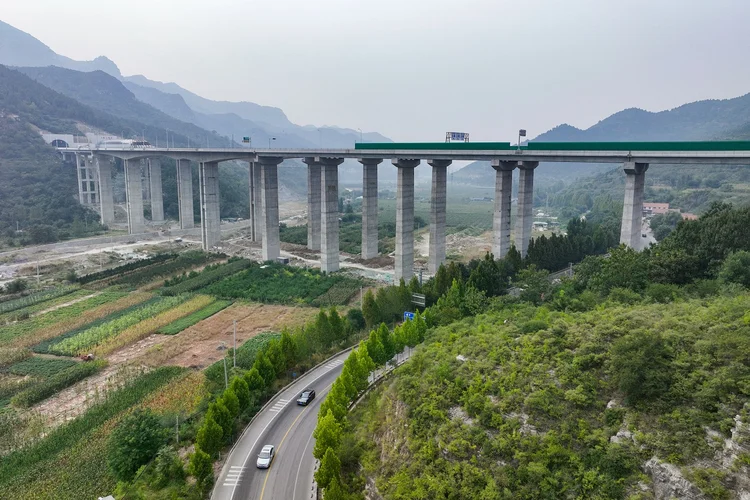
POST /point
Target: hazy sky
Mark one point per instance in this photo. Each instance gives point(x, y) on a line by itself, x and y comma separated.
point(415, 69)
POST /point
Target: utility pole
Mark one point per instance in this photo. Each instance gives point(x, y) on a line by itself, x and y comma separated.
point(234, 351)
point(177, 428)
point(226, 377)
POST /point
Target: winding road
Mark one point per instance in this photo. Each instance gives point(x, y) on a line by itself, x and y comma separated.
point(289, 428)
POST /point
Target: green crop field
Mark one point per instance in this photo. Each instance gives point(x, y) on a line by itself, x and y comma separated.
point(40, 367)
point(277, 283)
point(188, 321)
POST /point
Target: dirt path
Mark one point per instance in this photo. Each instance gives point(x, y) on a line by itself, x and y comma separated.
point(69, 303)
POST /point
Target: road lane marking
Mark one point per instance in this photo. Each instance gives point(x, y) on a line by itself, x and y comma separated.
point(334, 364)
point(244, 464)
point(294, 491)
point(262, 491)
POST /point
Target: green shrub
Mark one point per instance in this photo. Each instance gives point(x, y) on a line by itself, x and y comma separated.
point(134, 442)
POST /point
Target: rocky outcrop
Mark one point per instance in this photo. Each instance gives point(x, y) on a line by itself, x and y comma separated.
point(668, 482)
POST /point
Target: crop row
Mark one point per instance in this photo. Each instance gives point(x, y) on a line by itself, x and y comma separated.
point(56, 383)
point(40, 367)
point(35, 298)
point(146, 275)
point(207, 276)
point(12, 355)
point(188, 321)
point(125, 268)
point(143, 299)
point(275, 283)
point(94, 336)
point(54, 322)
point(338, 294)
point(151, 325)
point(71, 461)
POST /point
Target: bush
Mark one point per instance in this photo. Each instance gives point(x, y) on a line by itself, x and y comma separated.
point(624, 296)
point(202, 469)
point(134, 442)
point(640, 366)
point(736, 269)
point(662, 293)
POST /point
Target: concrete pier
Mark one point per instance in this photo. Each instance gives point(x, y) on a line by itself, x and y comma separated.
point(251, 185)
point(134, 197)
point(157, 196)
point(437, 213)
point(501, 216)
point(405, 218)
point(91, 183)
point(258, 197)
point(370, 207)
point(81, 173)
point(329, 218)
point(313, 203)
point(185, 194)
point(269, 176)
point(632, 210)
point(106, 193)
point(209, 196)
point(525, 215)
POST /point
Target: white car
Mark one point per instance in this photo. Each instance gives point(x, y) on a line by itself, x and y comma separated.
point(265, 457)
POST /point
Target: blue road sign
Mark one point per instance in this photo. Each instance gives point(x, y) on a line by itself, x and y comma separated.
point(408, 315)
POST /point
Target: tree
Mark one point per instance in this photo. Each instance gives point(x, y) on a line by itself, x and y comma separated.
point(336, 401)
point(534, 284)
point(231, 401)
point(736, 269)
point(255, 382)
point(276, 357)
point(210, 436)
point(337, 325)
point(375, 349)
point(242, 391)
point(327, 435)
point(356, 320)
point(220, 414)
point(370, 309)
point(389, 348)
point(348, 382)
point(356, 371)
point(625, 268)
point(134, 442)
point(325, 332)
point(663, 224)
point(167, 467)
point(334, 491)
point(201, 467)
point(265, 368)
point(288, 349)
point(330, 469)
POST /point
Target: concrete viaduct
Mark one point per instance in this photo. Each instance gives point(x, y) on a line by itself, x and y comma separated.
point(323, 227)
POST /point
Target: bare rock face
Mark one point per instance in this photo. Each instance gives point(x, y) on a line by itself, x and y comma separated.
point(668, 482)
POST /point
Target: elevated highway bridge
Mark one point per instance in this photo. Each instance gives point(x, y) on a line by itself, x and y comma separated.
point(94, 169)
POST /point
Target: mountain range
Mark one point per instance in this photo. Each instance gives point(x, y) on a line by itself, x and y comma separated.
point(711, 119)
point(95, 85)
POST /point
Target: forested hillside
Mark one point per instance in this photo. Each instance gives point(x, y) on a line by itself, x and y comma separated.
point(37, 193)
point(630, 380)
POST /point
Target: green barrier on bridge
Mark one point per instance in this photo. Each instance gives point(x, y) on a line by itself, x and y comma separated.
point(560, 146)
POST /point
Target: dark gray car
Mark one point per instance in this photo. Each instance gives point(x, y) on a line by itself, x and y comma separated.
point(306, 396)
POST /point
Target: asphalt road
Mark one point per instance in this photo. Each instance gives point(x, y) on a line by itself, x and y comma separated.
point(289, 428)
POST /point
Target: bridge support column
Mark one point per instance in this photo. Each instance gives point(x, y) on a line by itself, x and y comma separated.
point(258, 198)
point(252, 204)
point(134, 197)
point(313, 203)
point(185, 194)
point(209, 196)
point(91, 182)
point(329, 220)
point(269, 175)
point(405, 218)
point(81, 173)
point(437, 213)
point(525, 216)
point(370, 207)
point(501, 217)
point(106, 194)
point(632, 210)
point(157, 197)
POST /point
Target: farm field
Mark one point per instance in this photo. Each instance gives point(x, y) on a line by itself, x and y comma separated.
point(152, 329)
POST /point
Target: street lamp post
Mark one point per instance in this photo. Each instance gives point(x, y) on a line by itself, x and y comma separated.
point(269, 141)
point(521, 133)
point(360, 135)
